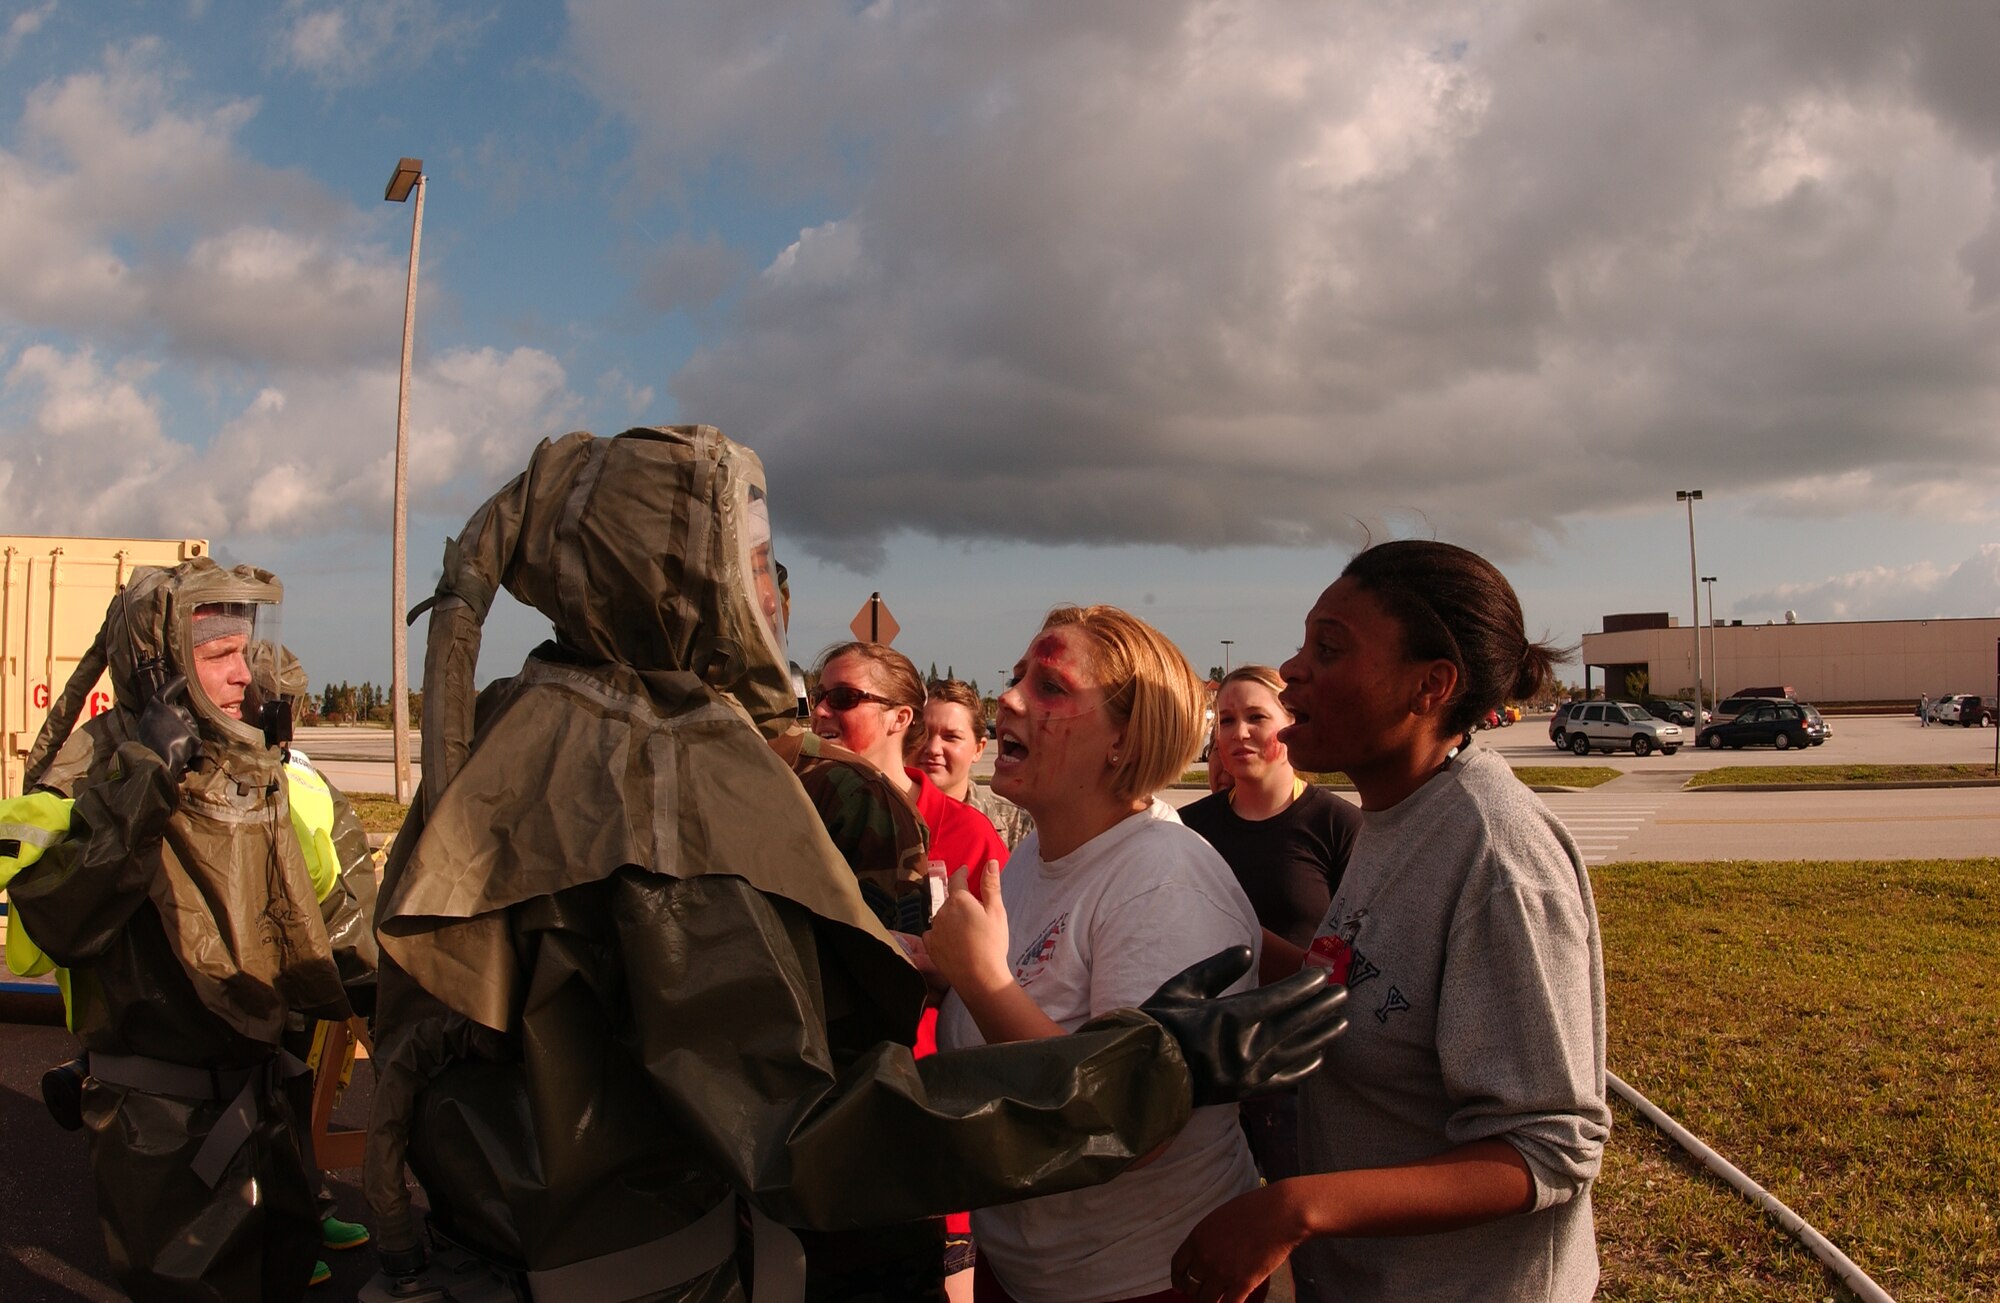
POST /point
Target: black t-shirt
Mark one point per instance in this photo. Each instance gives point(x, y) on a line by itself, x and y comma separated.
point(1287, 864)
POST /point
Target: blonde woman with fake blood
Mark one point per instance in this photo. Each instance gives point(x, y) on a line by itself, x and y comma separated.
point(1098, 906)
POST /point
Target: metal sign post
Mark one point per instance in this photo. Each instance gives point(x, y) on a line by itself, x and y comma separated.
point(873, 623)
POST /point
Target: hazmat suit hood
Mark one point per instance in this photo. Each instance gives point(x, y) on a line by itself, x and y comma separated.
point(649, 550)
point(233, 891)
point(625, 741)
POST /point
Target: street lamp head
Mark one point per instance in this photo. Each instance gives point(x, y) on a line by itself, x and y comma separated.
point(1687, 495)
point(1708, 579)
point(408, 172)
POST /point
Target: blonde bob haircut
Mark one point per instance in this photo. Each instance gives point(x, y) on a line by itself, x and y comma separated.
point(1149, 689)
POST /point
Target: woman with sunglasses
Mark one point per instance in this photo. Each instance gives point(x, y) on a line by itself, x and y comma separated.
point(1451, 1140)
point(870, 700)
point(1099, 905)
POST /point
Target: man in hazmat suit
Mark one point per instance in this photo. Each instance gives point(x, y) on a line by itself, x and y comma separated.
point(173, 888)
point(633, 1012)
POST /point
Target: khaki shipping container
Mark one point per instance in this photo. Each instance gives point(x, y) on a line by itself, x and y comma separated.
point(51, 604)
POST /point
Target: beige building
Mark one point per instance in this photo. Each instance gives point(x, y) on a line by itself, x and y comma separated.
point(1847, 661)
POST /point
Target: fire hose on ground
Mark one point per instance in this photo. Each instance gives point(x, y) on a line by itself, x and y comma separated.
point(1836, 1263)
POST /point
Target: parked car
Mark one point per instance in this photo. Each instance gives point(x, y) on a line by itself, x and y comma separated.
point(1782, 724)
point(1672, 710)
point(1618, 725)
point(1945, 709)
point(1510, 714)
point(1558, 726)
point(1975, 711)
point(1825, 729)
point(1730, 707)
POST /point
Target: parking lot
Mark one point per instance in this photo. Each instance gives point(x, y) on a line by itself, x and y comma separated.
point(1648, 814)
point(1856, 740)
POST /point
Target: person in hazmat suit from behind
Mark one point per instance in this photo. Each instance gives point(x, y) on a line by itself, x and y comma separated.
point(171, 886)
point(635, 1020)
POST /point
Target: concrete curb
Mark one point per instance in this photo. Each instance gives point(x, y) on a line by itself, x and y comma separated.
point(1914, 784)
point(1533, 787)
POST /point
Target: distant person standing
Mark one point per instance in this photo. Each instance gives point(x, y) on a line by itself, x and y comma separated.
point(954, 739)
point(1923, 710)
point(1286, 840)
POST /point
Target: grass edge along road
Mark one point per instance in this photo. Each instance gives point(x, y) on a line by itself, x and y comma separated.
point(1833, 1029)
point(1532, 775)
point(1858, 775)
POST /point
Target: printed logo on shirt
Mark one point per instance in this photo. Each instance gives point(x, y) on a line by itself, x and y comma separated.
point(1335, 952)
point(1030, 963)
point(1391, 1003)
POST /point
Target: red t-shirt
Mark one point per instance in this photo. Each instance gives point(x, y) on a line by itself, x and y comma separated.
point(961, 836)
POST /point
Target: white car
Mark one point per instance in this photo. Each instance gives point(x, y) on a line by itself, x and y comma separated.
point(1619, 726)
point(1944, 710)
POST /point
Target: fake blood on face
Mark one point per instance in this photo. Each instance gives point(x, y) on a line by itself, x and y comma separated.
point(1054, 736)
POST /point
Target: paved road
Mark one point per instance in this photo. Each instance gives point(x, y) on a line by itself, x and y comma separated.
point(1644, 814)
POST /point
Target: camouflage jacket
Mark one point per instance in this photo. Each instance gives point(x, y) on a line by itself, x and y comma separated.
point(1008, 819)
point(874, 826)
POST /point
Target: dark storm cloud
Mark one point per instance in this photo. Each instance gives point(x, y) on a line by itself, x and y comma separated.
point(1210, 273)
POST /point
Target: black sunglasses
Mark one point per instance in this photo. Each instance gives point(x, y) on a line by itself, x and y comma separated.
point(843, 698)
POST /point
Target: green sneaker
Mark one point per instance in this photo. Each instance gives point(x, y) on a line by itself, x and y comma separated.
point(321, 1274)
point(337, 1234)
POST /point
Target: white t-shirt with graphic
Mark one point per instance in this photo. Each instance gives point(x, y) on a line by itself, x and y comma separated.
point(1101, 929)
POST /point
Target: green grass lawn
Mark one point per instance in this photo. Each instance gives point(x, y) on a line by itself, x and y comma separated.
point(1733, 774)
point(1833, 1029)
point(378, 813)
point(1533, 775)
point(1565, 775)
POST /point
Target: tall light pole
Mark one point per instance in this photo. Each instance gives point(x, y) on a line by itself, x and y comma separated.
point(1714, 661)
point(1692, 496)
point(1227, 643)
point(408, 176)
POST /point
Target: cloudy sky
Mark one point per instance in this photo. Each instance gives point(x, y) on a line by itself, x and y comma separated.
point(1155, 302)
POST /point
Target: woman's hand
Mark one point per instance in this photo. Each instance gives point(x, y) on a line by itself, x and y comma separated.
point(920, 959)
point(967, 943)
point(1237, 1247)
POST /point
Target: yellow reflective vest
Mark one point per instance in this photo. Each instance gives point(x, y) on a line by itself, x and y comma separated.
point(31, 824)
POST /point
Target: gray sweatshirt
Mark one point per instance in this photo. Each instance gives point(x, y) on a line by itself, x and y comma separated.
point(1465, 932)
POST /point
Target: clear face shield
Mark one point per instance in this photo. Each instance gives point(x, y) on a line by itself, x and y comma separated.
point(234, 651)
point(762, 571)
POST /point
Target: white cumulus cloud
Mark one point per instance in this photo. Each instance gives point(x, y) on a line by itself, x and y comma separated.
point(1922, 591)
point(352, 42)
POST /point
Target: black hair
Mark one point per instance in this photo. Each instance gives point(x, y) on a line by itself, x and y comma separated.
point(1454, 605)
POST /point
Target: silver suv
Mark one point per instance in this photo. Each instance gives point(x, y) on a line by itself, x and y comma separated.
point(1618, 725)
